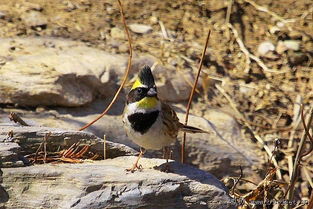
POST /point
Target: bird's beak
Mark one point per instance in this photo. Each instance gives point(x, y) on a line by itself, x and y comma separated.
point(152, 92)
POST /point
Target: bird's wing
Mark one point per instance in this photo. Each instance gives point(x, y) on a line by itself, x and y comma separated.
point(170, 120)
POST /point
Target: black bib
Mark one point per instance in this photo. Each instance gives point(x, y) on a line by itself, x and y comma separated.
point(141, 122)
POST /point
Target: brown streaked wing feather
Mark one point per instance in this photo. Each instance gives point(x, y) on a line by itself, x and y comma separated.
point(170, 120)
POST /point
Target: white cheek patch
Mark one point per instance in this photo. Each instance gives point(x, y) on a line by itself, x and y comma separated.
point(133, 108)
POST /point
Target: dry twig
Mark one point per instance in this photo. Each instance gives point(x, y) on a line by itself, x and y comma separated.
point(264, 9)
point(299, 154)
point(296, 121)
point(17, 119)
point(250, 55)
point(228, 13)
point(43, 144)
point(191, 95)
point(237, 181)
point(104, 147)
point(264, 186)
point(126, 72)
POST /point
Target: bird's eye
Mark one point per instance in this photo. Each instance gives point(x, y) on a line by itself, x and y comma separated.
point(139, 90)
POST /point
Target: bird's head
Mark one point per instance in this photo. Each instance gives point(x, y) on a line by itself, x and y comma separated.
point(144, 92)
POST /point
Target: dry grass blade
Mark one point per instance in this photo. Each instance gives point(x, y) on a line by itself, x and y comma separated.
point(310, 206)
point(95, 157)
point(126, 72)
point(297, 160)
point(104, 147)
point(69, 151)
point(264, 9)
point(307, 131)
point(42, 144)
point(191, 95)
point(81, 152)
point(237, 181)
point(70, 160)
point(264, 185)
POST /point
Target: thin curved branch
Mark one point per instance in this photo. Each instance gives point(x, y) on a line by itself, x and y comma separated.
point(126, 72)
point(191, 95)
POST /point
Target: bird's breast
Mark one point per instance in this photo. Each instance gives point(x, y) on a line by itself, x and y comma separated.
point(141, 122)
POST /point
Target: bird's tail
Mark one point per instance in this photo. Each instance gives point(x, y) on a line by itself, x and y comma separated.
point(191, 129)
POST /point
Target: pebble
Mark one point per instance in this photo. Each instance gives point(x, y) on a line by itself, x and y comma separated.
point(153, 20)
point(34, 19)
point(292, 44)
point(265, 47)
point(117, 33)
point(140, 28)
point(2, 14)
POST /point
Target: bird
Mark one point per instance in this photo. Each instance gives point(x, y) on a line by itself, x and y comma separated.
point(149, 122)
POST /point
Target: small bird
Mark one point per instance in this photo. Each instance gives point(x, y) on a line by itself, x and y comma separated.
point(149, 122)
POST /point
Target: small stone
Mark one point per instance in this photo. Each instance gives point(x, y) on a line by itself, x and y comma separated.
point(153, 20)
point(123, 48)
point(140, 28)
point(265, 47)
point(3, 60)
point(35, 19)
point(280, 24)
point(70, 6)
point(292, 44)
point(110, 10)
point(117, 33)
point(40, 109)
point(2, 14)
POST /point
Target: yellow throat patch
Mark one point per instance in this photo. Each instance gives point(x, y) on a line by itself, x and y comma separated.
point(148, 102)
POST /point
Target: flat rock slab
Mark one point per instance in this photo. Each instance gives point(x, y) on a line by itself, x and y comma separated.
point(27, 139)
point(106, 184)
point(51, 71)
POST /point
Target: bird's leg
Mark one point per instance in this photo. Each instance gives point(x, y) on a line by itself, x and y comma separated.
point(136, 166)
point(167, 155)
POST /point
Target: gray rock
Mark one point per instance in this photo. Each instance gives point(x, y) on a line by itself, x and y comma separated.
point(221, 152)
point(30, 137)
point(224, 150)
point(58, 72)
point(140, 28)
point(10, 155)
point(106, 184)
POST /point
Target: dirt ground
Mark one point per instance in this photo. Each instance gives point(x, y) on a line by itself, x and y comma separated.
point(267, 91)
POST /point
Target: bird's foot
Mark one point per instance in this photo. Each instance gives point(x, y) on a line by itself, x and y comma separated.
point(135, 167)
